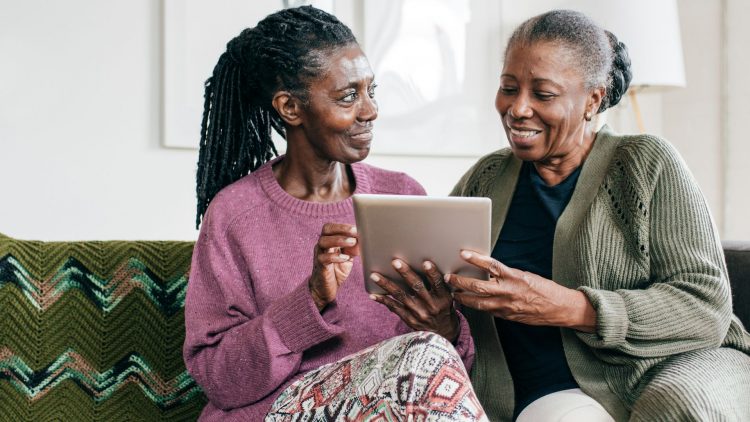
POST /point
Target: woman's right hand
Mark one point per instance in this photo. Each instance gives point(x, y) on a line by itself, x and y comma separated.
point(334, 258)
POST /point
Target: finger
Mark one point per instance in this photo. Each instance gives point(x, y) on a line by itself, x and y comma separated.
point(391, 288)
point(339, 229)
point(435, 278)
point(494, 267)
point(411, 278)
point(353, 250)
point(395, 307)
point(336, 241)
point(493, 305)
point(332, 258)
point(472, 285)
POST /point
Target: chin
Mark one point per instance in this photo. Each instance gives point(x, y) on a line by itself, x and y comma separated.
point(355, 155)
point(525, 154)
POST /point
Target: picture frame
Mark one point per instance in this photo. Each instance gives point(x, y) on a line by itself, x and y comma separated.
point(436, 63)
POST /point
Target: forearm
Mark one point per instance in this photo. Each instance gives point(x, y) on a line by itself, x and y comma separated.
point(260, 353)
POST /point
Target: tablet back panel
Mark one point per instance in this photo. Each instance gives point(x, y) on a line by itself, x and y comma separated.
point(419, 228)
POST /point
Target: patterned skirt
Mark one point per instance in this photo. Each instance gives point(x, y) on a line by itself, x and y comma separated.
point(413, 377)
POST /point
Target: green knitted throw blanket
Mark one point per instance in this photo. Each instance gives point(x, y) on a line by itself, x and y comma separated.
point(93, 331)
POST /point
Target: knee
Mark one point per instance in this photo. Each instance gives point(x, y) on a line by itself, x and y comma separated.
point(694, 387)
point(429, 348)
point(667, 400)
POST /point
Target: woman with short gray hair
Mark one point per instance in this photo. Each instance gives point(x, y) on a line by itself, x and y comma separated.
point(608, 295)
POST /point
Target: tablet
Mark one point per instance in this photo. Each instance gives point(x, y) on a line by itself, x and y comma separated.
point(420, 228)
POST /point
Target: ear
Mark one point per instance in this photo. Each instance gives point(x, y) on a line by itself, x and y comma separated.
point(595, 100)
point(288, 106)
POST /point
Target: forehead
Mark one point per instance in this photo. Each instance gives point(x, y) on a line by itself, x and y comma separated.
point(542, 59)
point(346, 65)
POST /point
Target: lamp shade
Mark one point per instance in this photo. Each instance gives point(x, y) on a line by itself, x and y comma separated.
point(649, 28)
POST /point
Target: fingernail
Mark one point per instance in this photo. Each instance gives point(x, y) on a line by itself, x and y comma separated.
point(373, 297)
point(350, 241)
point(397, 264)
point(465, 254)
point(427, 265)
point(447, 277)
point(353, 230)
point(374, 277)
point(344, 256)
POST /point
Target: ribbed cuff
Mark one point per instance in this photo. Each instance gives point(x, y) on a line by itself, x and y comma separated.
point(611, 319)
point(464, 343)
point(299, 323)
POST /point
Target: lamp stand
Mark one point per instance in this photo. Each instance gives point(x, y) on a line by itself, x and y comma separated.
point(637, 111)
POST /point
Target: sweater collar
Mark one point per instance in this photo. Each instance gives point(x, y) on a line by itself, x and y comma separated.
point(313, 209)
point(592, 176)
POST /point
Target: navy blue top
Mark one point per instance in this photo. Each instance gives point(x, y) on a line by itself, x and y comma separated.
point(535, 354)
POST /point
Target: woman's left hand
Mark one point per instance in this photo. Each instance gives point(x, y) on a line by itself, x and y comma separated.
point(420, 307)
point(522, 296)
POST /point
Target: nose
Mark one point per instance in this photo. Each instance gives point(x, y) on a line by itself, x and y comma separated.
point(520, 107)
point(368, 110)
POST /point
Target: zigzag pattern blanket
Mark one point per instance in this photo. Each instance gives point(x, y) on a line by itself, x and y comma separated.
point(93, 331)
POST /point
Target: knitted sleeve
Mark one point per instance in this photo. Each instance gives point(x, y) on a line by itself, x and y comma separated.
point(236, 353)
point(686, 303)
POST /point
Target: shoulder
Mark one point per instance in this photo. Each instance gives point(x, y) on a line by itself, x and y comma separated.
point(384, 181)
point(233, 201)
point(483, 173)
point(648, 156)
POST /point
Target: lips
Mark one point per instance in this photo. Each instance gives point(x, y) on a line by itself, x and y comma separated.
point(522, 136)
point(523, 133)
point(364, 136)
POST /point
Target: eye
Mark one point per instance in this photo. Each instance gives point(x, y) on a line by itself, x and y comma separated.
point(508, 90)
point(350, 97)
point(371, 90)
point(544, 96)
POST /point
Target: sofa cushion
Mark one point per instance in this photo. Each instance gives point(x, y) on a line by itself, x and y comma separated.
point(738, 265)
point(94, 331)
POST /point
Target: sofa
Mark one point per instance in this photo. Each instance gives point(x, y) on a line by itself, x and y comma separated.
point(93, 331)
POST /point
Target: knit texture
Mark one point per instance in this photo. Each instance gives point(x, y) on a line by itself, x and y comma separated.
point(93, 331)
point(252, 327)
point(638, 239)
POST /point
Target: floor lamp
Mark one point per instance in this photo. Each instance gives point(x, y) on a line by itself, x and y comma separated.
point(651, 30)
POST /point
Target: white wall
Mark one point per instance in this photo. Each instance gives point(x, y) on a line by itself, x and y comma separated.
point(80, 111)
point(79, 124)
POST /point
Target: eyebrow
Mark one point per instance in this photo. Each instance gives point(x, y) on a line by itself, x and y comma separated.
point(535, 80)
point(354, 84)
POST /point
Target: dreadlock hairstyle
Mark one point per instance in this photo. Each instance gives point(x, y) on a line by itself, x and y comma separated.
point(286, 50)
point(603, 59)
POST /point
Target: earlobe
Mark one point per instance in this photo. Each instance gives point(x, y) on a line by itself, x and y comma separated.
point(288, 107)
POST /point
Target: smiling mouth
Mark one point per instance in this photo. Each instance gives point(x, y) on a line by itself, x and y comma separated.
point(362, 136)
point(523, 133)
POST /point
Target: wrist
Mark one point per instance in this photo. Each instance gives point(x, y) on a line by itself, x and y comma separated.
point(581, 313)
point(317, 300)
point(455, 327)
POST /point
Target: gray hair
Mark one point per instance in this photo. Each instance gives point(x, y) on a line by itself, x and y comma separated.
point(603, 59)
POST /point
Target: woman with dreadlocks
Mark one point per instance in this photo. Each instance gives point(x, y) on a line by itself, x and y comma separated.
point(279, 325)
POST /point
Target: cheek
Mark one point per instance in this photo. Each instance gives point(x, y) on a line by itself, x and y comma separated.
point(501, 105)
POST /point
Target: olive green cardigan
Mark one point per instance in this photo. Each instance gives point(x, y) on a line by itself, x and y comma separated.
point(638, 239)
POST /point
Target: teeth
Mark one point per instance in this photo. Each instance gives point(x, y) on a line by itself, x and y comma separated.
point(523, 133)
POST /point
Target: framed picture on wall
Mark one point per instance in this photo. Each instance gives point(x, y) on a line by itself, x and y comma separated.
point(436, 63)
point(195, 35)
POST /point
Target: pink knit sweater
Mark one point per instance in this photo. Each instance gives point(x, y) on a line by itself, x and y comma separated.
point(252, 327)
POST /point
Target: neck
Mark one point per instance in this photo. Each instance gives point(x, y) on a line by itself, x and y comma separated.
point(557, 168)
point(312, 178)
